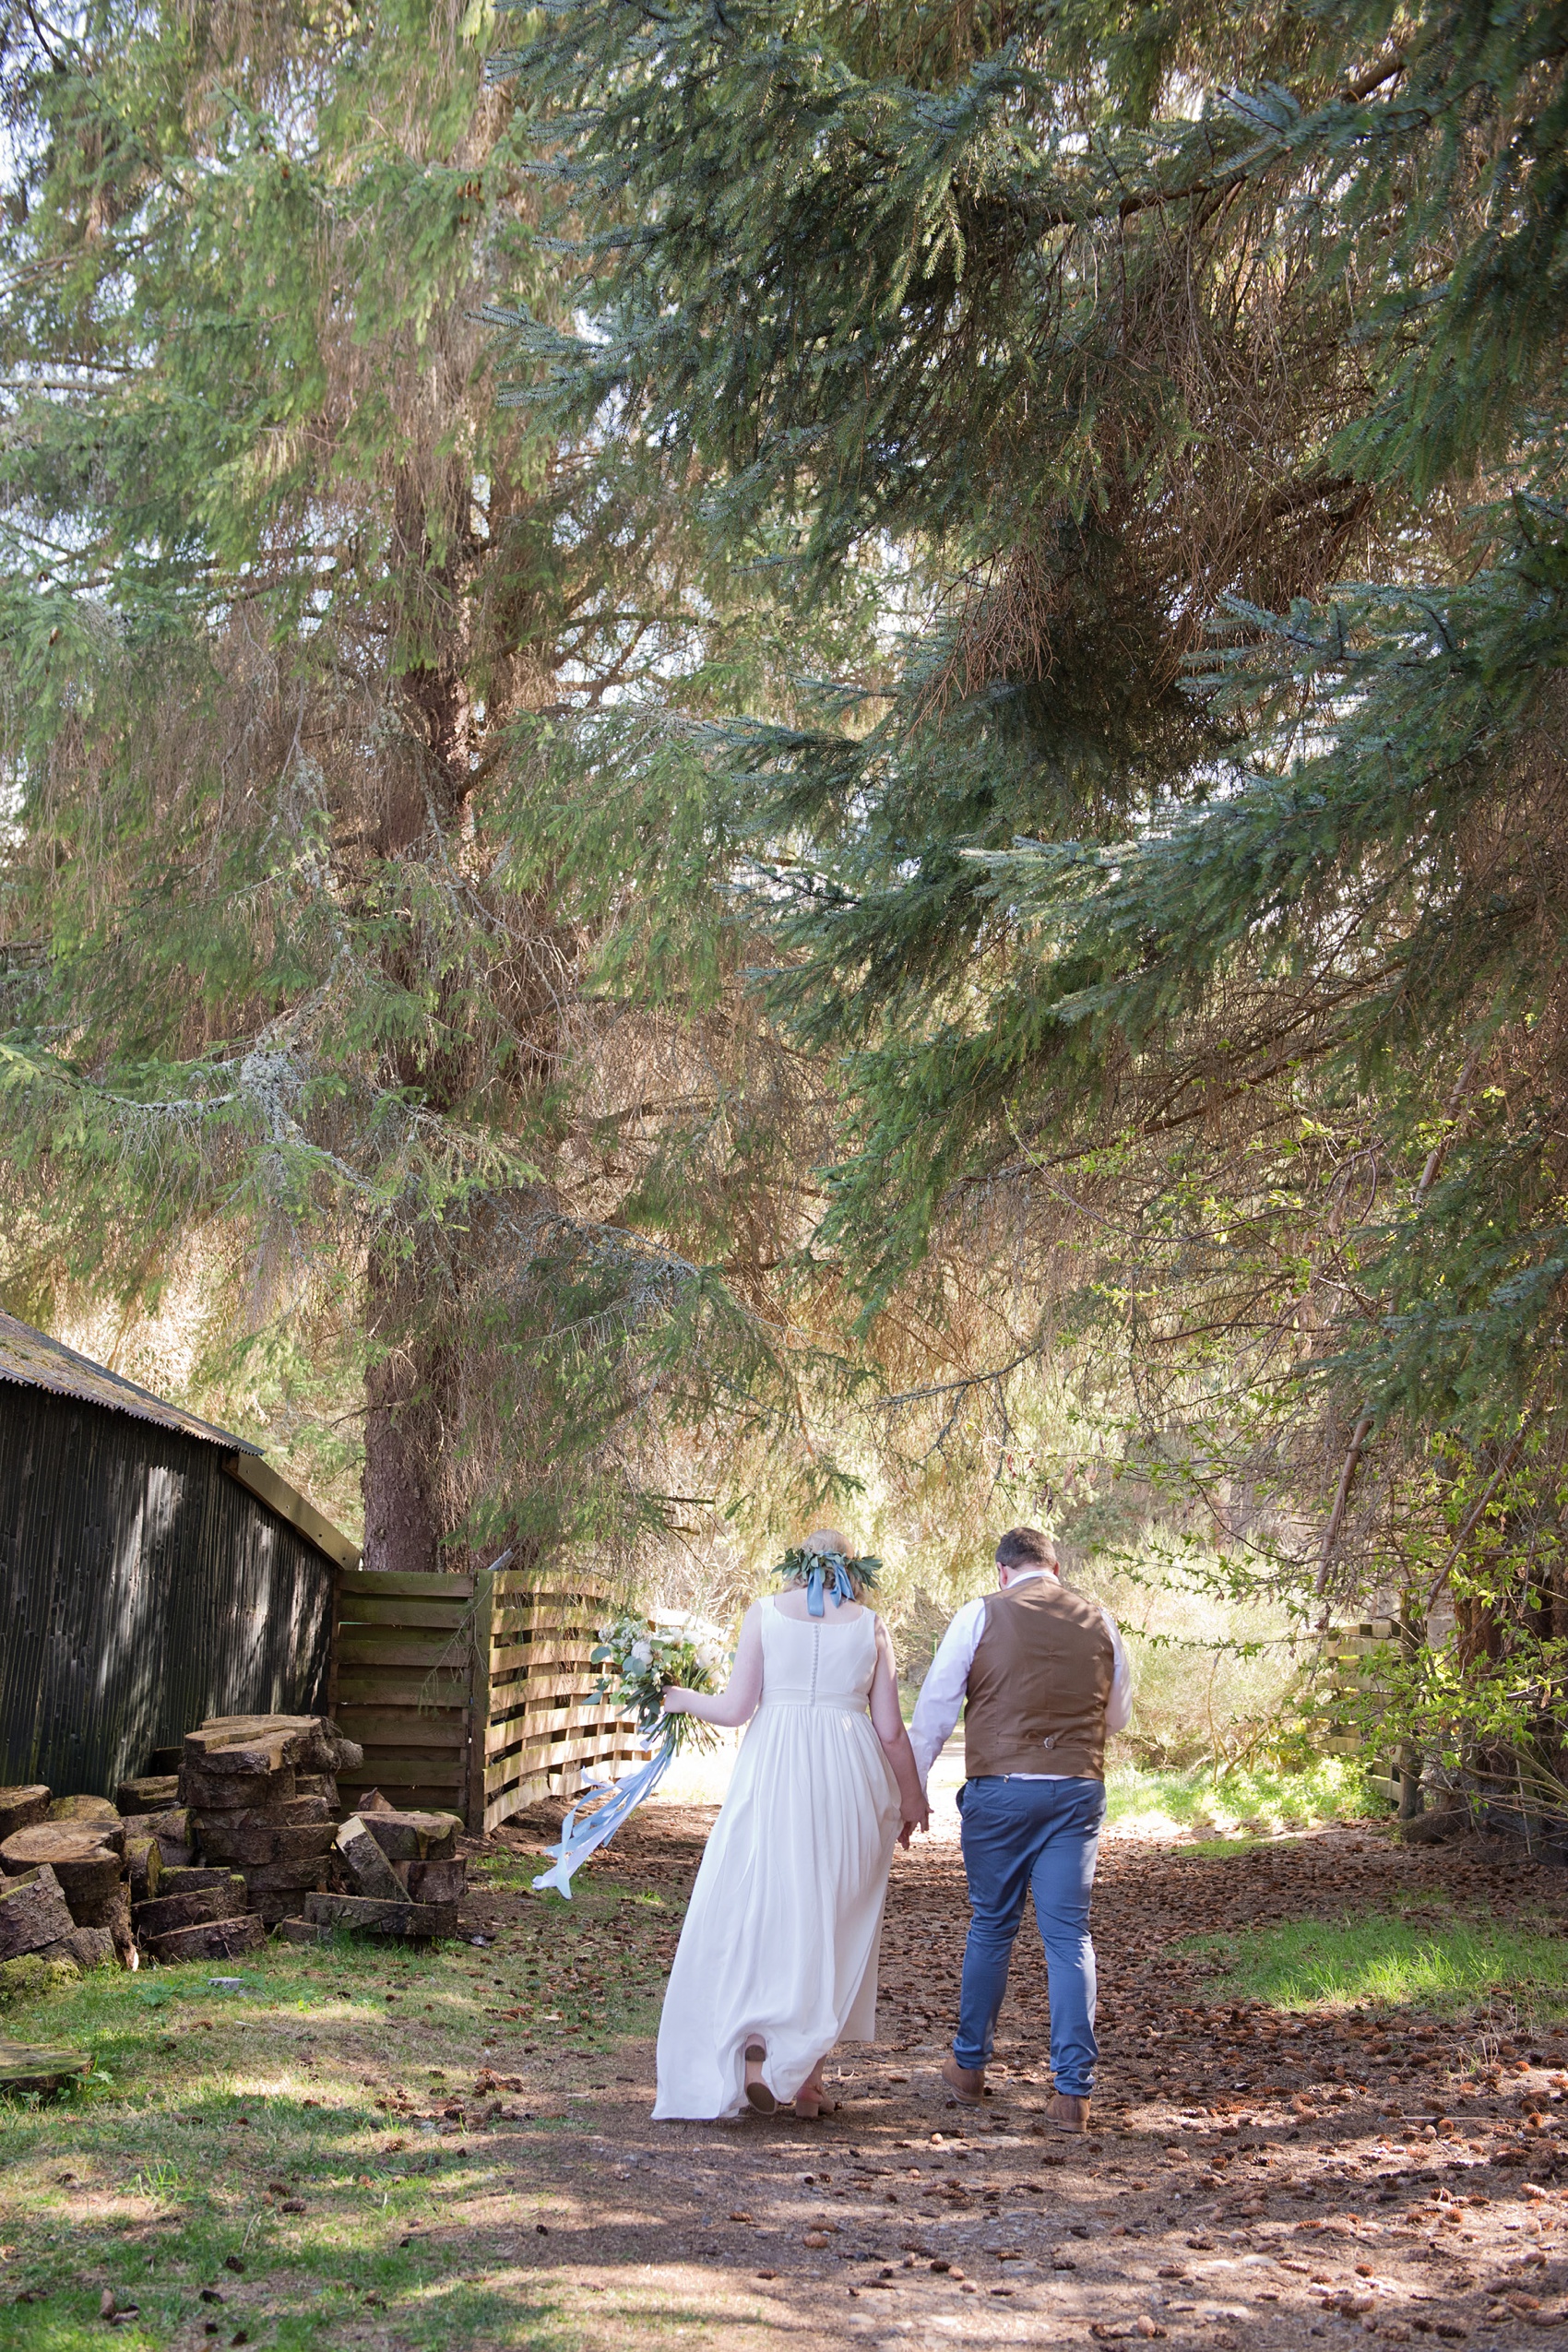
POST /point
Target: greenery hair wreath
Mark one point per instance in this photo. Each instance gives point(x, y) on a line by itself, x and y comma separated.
point(828, 1572)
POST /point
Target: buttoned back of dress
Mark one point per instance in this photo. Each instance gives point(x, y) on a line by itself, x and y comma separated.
point(816, 1663)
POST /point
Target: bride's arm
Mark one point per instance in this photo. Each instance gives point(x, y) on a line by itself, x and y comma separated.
point(737, 1702)
point(887, 1721)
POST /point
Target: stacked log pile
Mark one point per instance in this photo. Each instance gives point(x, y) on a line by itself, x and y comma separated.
point(393, 1873)
point(64, 1895)
point(261, 1794)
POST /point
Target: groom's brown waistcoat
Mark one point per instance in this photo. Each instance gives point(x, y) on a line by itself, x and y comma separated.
point(1038, 1687)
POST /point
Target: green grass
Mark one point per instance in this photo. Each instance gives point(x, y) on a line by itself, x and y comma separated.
point(206, 2110)
point(1452, 1965)
point(1196, 1799)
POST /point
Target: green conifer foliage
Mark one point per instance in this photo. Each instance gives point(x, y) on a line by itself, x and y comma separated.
point(299, 911)
point(1189, 913)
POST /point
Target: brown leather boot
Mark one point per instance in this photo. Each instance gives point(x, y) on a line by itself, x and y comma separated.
point(1066, 2113)
point(965, 2083)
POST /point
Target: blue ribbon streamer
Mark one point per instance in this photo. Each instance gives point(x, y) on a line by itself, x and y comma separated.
point(832, 1574)
point(612, 1801)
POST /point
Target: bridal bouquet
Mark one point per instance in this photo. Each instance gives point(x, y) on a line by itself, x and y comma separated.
point(639, 1660)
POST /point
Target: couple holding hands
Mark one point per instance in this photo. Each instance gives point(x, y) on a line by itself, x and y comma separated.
point(778, 1957)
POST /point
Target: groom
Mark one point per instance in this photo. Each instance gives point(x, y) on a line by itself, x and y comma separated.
point(1042, 1676)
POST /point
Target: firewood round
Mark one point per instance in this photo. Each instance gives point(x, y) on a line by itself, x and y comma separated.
point(87, 1870)
point(20, 1808)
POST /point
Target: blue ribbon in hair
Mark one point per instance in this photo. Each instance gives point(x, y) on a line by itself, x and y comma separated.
point(600, 1811)
point(825, 1576)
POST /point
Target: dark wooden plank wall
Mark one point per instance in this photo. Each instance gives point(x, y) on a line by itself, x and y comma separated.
point(141, 1589)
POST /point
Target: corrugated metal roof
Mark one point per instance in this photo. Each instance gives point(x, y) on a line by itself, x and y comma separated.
point(37, 1361)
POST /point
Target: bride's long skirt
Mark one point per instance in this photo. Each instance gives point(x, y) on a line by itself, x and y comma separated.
point(782, 1936)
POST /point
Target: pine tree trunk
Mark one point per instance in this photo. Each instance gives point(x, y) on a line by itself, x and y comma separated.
point(411, 1412)
point(402, 1530)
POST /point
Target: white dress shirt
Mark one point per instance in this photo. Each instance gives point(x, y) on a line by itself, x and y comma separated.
point(941, 1693)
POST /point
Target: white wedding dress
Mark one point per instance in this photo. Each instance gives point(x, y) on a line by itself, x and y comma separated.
point(780, 1939)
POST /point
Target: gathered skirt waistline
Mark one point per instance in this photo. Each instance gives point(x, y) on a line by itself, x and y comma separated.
point(840, 1706)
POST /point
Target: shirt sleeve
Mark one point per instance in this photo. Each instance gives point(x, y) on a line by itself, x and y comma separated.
point(1119, 1705)
point(941, 1693)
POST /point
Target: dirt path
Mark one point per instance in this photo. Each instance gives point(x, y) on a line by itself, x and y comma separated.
point(384, 2150)
point(1247, 2169)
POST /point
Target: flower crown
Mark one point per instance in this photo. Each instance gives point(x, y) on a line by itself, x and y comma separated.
point(828, 1572)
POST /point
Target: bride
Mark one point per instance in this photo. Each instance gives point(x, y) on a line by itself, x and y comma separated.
point(778, 1956)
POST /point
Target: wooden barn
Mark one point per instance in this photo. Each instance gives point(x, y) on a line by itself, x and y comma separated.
point(153, 1572)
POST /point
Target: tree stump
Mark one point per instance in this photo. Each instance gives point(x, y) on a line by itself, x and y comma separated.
point(412, 1919)
point(310, 1741)
point(84, 1809)
point(258, 1790)
point(165, 1913)
point(185, 1882)
point(438, 1882)
point(232, 1838)
point(89, 1947)
point(171, 1828)
point(412, 1837)
point(301, 1931)
point(362, 1859)
point(144, 1862)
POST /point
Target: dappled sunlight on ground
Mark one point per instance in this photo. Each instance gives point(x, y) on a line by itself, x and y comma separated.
point(451, 2151)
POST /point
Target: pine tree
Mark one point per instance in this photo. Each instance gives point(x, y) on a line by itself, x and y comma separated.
point(303, 899)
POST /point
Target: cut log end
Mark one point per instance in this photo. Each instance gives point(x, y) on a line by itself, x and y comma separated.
point(155, 1793)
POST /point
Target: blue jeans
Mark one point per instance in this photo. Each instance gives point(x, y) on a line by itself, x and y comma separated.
point(1042, 1835)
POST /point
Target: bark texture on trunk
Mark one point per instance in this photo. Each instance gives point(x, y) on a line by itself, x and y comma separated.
point(402, 1531)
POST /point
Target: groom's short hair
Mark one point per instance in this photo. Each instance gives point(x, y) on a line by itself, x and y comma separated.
point(1025, 1543)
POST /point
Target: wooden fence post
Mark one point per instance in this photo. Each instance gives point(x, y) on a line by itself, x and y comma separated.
point(1411, 1802)
point(481, 1655)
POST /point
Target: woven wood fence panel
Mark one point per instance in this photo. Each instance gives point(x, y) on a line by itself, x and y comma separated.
point(1349, 1670)
point(471, 1693)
